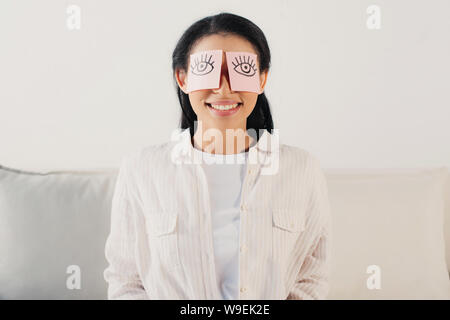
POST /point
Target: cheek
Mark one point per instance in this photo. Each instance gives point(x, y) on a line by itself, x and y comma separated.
point(196, 99)
point(250, 101)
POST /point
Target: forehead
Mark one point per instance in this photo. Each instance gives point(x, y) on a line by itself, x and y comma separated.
point(226, 42)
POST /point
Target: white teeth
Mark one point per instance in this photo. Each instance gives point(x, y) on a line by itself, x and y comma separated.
point(224, 107)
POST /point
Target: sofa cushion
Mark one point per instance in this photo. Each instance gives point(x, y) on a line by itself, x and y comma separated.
point(447, 220)
point(388, 223)
point(53, 229)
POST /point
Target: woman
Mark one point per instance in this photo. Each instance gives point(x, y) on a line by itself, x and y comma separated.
point(255, 228)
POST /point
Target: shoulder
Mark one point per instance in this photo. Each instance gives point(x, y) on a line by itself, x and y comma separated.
point(300, 157)
point(141, 163)
point(311, 171)
point(303, 166)
point(146, 154)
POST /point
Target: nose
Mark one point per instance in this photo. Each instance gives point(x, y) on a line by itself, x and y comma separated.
point(224, 84)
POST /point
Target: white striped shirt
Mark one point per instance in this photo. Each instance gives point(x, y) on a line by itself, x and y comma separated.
point(224, 187)
point(160, 244)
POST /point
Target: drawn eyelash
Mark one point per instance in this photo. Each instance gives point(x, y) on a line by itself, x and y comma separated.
point(202, 65)
point(248, 66)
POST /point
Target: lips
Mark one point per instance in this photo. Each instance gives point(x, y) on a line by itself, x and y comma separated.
point(224, 111)
point(223, 102)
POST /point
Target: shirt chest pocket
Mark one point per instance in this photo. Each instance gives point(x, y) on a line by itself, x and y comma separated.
point(291, 221)
point(162, 231)
point(287, 226)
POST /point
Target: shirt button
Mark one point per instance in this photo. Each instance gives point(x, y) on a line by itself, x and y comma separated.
point(243, 248)
point(243, 289)
point(243, 208)
point(249, 171)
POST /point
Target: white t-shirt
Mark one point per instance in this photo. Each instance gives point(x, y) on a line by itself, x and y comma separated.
point(225, 186)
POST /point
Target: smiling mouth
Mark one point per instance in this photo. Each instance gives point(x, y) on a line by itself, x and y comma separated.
point(222, 107)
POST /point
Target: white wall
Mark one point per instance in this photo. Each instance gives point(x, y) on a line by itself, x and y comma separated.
point(352, 96)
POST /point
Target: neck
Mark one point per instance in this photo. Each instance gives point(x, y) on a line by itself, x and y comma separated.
point(237, 141)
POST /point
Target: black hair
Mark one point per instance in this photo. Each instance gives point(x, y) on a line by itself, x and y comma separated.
point(223, 23)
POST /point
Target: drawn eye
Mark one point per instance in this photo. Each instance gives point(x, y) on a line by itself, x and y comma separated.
point(246, 68)
point(202, 67)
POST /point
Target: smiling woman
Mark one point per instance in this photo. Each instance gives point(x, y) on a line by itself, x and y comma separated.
point(222, 103)
point(215, 230)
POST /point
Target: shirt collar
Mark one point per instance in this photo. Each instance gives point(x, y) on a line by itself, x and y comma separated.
point(182, 149)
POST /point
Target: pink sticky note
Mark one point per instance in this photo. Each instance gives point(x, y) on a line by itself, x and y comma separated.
point(243, 71)
point(204, 70)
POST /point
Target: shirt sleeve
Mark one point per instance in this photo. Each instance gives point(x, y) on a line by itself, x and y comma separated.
point(121, 274)
point(312, 279)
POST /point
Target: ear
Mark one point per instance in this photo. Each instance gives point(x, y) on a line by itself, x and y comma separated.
point(263, 80)
point(180, 76)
